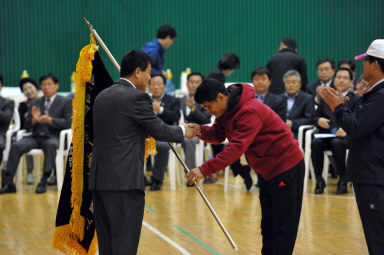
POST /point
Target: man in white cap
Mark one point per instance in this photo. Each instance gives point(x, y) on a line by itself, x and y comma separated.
point(365, 128)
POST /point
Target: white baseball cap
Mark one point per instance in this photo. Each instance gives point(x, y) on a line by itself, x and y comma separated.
point(376, 49)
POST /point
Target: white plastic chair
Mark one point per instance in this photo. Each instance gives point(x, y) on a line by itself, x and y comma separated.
point(13, 128)
point(64, 144)
point(300, 136)
point(307, 158)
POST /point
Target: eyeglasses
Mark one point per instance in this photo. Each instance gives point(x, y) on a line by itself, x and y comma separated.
point(346, 78)
point(208, 107)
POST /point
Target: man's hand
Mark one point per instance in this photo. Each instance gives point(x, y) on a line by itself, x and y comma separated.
point(191, 130)
point(156, 106)
point(191, 103)
point(195, 175)
point(333, 98)
point(323, 122)
point(341, 133)
point(289, 123)
point(35, 114)
point(45, 118)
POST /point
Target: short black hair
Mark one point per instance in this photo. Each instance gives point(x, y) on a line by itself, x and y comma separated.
point(261, 70)
point(290, 42)
point(26, 80)
point(379, 60)
point(153, 75)
point(166, 30)
point(350, 62)
point(195, 73)
point(208, 90)
point(325, 60)
point(345, 69)
point(229, 61)
point(133, 60)
point(47, 76)
point(1, 79)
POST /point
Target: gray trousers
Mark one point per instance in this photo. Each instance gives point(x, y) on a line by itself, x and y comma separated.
point(189, 147)
point(48, 145)
point(161, 161)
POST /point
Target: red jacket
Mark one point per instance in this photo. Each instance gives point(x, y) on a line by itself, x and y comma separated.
point(255, 130)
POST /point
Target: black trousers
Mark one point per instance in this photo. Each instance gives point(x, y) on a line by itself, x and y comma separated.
point(280, 200)
point(118, 218)
point(337, 145)
point(370, 201)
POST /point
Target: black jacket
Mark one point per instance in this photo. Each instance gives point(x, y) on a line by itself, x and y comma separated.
point(365, 129)
point(199, 115)
point(282, 62)
point(277, 104)
point(301, 112)
point(171, 113)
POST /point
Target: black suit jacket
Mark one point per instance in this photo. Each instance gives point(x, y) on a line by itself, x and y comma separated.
point(311, 87)
point(122, 118)
point(60, 111)
point(301, 112)
point(6, 113)
point(277, 104)
point(324, 111)
point(282, 62)
point(199, 115)
point(171, 113)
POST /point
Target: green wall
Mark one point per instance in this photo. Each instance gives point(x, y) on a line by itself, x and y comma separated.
point(47, 35)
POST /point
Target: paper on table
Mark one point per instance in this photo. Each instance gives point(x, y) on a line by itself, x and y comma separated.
point(325, 135)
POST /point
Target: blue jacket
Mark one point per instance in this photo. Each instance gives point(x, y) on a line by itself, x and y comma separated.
point(156, 51)
point(365, 128)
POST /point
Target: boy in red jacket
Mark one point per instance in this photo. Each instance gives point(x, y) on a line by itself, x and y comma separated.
point(256, 131)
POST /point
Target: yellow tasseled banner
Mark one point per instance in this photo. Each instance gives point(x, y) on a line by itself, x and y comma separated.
point(150, 147)
point(66, 237)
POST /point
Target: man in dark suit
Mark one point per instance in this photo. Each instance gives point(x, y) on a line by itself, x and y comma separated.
point(326, 122)
point(6, 113)
point(48, 115)
point(193, 113)
point(261, 79)
point(123, 117)
point(325, 68)
point(286, 59)
point(300, 105)
point(167, 108)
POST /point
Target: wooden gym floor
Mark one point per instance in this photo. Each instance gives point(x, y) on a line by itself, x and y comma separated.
point(178, 222)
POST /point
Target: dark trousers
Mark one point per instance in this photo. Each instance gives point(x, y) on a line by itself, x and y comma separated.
point(280, 200)
point(161, 161)
point(118, 218)
point(370, 201)
point(48, 145)
point(337, 145)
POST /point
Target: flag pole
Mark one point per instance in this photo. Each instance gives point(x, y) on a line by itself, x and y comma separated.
point(186, 169)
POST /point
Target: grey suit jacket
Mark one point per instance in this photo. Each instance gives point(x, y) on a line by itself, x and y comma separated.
point(60, 111)
point(122, 118)
point(6, 113)
point(199, 115)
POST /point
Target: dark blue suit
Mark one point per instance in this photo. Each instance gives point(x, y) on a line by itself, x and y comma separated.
point(277, 104)
point(171, 116)
point(301, 112)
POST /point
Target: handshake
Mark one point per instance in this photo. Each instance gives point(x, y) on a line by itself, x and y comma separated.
point(191, 130)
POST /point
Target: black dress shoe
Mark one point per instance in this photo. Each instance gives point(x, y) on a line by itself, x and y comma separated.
point(342, 187)
point(156, 185)
point(8, 188)
point(52, 180)
point(41, 188)
point(146, 182)
point(246, 175)
point(320, 185)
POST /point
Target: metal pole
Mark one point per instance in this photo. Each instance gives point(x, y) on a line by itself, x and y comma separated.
point(186, 169)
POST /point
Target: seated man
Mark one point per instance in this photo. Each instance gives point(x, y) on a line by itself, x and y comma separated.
point(300, 105)
point(326, 122)
point(167, 109)
point(48, 115)
point(261, 79)
point(325, 70)
point(193, 113)
point(6, 113)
